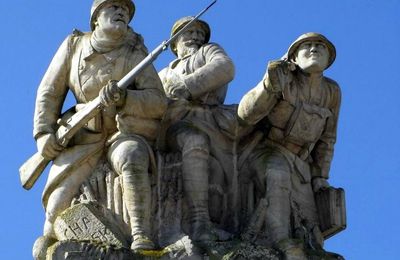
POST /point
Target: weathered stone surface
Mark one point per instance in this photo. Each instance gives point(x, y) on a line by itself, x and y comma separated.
point(249, 251)
point(87, 221)
point(81, 250)
point(183, 249)
point(74, 250)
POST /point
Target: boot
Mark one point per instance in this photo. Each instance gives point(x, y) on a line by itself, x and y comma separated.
point(291, 249)
point(40, 247)
point(137, 197)
point(195, 181)
point(142, 242)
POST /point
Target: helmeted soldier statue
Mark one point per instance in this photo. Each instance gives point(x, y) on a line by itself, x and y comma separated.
point(196, 83)
point(88, 65)
point(299, 107)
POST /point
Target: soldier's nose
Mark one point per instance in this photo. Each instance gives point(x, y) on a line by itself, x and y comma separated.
point(313, 47)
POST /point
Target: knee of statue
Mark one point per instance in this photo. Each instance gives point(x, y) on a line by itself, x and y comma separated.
point(277, 178)
point(129, 156)
point(134, 165)
point(51, 216)
point(195, 142)
point(135, 162)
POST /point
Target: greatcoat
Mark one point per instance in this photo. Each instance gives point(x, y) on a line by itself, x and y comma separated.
point(78, 68)
point(206, 75)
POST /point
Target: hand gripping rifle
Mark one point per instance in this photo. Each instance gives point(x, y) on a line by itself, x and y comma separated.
point(31, 170)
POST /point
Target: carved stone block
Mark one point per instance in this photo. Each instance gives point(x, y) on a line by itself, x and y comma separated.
point(88, 222)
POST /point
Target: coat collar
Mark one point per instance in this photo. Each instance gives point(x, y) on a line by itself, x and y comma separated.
point(87, 49)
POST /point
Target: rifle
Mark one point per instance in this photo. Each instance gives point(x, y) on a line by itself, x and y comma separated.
point(31, 170)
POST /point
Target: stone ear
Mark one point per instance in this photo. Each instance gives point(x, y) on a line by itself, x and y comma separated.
point(294, 58)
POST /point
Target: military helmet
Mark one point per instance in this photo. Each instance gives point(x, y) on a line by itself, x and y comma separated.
point(312, 36)
point(98, 4)
point(182, 22)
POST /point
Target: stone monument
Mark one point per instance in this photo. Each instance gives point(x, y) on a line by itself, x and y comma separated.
point(163, 169)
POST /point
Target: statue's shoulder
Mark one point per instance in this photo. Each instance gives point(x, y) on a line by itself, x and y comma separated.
point(333, 90)
point(71, 42)
point(211, 46)
point(332, 84)
point(77, 33)
point(212, 49)
point(76, 36)
point(136, 41)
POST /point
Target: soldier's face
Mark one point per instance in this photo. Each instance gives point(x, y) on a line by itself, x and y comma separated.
point(312, 56)
point(113, 17)
point(193, 38)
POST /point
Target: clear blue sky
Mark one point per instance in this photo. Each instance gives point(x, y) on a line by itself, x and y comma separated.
point(366, 34)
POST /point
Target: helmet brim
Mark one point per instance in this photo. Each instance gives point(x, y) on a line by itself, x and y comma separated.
point(184, 21)
point(312, 37)
point(96, 9)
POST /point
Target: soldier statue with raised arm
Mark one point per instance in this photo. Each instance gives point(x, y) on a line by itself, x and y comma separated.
point(299, 108)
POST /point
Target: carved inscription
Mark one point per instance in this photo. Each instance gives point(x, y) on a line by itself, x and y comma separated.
point(86, 222)
point(82, 228)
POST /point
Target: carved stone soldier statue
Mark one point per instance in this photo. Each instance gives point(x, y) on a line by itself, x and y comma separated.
point(88, 65)
point(299, 107)
point(196, 82)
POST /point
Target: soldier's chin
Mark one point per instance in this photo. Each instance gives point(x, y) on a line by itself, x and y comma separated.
point(192, 44)
point(119, 28)
point(191, 49)
point(312, 67)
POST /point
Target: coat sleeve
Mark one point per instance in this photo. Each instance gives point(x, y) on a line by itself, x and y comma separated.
point(260, 101)
point(51, 92)
point(322, 153)
point(147, 99)
point(217, 71)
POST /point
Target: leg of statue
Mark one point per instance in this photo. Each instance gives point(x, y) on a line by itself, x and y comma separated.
point(195, 169)
point(130, 158)
point(278, 194)
point(58, 201)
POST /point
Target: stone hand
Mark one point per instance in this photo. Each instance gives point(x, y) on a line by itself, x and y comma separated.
point(179, 92)
point(319, 183)
point(278, 73)
point(111, 94)
point(175, 87)
point(48, 147)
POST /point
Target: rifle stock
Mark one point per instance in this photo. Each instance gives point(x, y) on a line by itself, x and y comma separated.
point(31, 170)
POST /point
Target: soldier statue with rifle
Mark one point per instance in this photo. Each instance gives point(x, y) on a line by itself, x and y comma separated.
point(89, 65)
